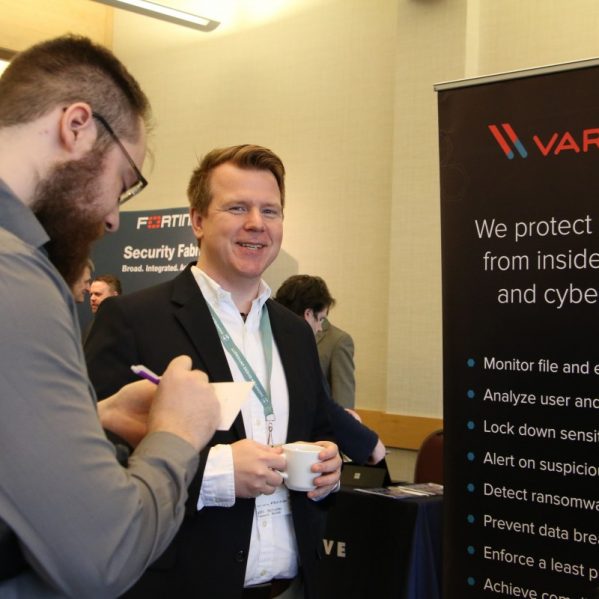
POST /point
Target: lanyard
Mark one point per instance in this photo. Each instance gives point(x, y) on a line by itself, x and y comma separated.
point(248, 372)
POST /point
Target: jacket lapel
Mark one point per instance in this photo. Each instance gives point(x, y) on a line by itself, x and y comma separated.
point(289, 351)
point(191, 311)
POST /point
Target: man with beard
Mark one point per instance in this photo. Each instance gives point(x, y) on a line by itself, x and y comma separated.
point(73, 522)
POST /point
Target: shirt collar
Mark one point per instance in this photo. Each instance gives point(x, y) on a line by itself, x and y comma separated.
point(18, 219)
point(221, 299)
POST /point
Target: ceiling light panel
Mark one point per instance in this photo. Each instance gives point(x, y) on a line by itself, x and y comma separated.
point(165, 13)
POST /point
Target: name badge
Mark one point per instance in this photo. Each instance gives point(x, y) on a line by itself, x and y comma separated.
point(277, 504)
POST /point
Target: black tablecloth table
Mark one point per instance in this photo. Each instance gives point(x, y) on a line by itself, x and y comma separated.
point(380, 547)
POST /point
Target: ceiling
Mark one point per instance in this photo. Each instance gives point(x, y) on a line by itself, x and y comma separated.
point(136, 31)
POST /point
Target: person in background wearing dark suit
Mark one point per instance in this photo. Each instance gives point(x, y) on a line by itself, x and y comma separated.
point(102, 287)
point(309, 297)
point(245, 535)
point(336, 353)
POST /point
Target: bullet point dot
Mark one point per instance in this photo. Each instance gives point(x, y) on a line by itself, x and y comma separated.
point(471, 362)
point(470, 488)
point(470, 550)
point(470, 425)
point(471, 519)
point(470, 393)
point(470, 456)
point(471, 581)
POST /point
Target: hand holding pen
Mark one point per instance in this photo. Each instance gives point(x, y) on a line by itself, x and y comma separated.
point(145, 373)
point(184, 404)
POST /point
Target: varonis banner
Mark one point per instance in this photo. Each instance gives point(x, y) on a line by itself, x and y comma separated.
point(519, 162)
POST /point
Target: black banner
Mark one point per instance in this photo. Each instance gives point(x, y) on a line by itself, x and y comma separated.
point(520, 242)
point(150, 247)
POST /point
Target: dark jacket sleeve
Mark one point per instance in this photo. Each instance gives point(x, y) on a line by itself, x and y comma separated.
point(110, 349)
point(354, 439)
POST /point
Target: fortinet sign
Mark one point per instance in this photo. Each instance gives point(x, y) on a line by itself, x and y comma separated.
point(549, 145)
point(163, 221)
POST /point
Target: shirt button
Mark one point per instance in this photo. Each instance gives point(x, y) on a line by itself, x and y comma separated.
point(264, 523)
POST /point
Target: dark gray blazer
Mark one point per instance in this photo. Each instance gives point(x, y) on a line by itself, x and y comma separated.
point(336, 353)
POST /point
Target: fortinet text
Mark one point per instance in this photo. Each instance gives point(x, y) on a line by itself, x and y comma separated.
point(163, 221)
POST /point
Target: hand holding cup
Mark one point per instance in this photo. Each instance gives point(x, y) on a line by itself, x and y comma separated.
point(312, 467)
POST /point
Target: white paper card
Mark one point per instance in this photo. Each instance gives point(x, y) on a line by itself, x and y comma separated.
point(276, 504)
point(231, 396)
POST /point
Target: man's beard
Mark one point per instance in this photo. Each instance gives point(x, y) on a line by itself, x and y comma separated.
point(65, 205)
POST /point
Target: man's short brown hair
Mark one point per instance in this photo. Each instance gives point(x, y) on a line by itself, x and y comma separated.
point(113, 283)
point(305, 292)
point(71, 69)
point(245, 156)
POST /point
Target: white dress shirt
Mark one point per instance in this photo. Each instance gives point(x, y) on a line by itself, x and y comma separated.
point(273, 548)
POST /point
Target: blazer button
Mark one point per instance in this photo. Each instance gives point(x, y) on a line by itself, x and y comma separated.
point(240, 556)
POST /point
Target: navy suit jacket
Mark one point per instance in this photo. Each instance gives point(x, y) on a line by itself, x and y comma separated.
point(208, 556)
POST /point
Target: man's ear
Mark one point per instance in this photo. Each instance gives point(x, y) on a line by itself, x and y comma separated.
point(307, 313)
point(77, 130)
point(197, 221)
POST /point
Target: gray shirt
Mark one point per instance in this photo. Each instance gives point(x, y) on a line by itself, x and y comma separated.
point(87, 527)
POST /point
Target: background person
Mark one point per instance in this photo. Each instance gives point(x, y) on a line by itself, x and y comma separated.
point(72, 137)
point(102, 287)
point(81, 286)
point(336, 354)
point(309, 297)
point(245, 533)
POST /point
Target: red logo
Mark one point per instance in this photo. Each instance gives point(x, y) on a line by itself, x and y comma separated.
point(164, 221)
point(503, 144)
point(554, 144)
point(154, 222)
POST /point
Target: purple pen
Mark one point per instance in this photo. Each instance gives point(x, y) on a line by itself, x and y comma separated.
point(145, 373)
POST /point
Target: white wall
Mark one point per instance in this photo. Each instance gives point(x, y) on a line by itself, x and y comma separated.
point(444, 40)
point(343, 91)
point(316, 86)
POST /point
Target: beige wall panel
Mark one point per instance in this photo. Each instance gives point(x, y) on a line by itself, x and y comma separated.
point(441, 41)
point(343, 91)
point(431, 40)
point(515, 35)
point(27, 22)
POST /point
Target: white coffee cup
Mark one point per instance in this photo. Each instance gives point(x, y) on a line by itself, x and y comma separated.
point(299, 457)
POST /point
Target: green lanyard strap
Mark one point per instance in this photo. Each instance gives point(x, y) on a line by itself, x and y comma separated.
point(248, 372)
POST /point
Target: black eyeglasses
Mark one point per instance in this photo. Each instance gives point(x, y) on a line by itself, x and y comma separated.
point(141, 180)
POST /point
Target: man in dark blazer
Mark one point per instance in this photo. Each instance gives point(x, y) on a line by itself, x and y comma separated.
point(244, 534)
point(308, 296)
